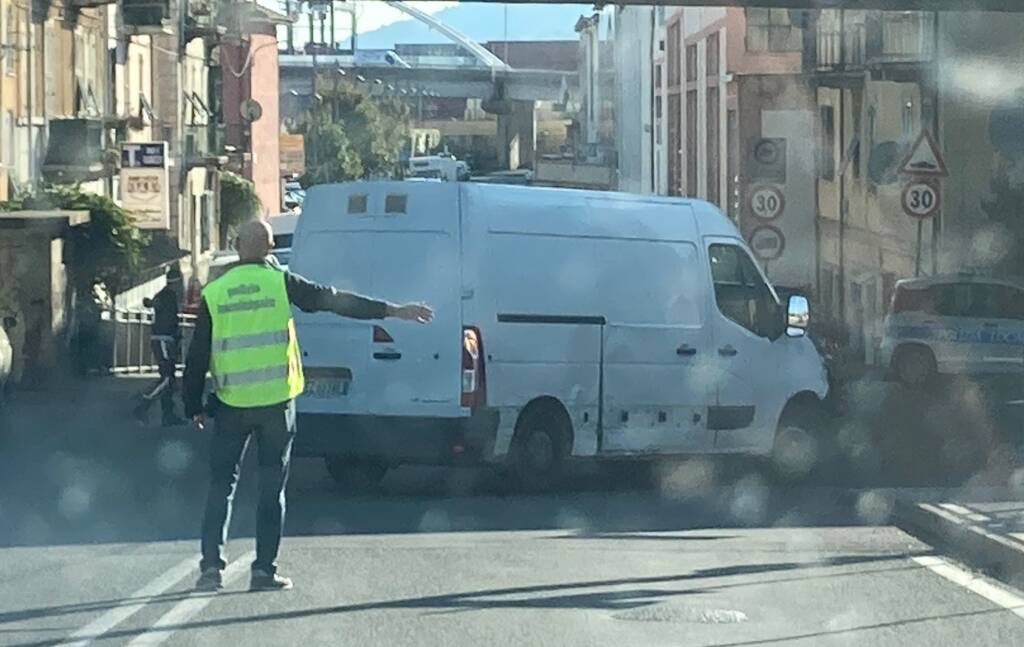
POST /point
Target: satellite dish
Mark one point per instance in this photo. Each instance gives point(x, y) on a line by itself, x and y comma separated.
point(251, 110)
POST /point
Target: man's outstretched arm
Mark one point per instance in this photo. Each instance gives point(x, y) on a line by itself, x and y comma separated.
point(315, 297)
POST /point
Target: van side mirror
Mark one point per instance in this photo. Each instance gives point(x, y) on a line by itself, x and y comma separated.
point(10, 323)
point(798, 316)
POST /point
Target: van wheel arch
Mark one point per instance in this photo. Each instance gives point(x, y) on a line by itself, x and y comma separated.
point(542, 442)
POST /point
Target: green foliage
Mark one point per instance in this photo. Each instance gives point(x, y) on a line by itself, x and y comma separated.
point(238, 202)
point(107, 250)
point(350, 135)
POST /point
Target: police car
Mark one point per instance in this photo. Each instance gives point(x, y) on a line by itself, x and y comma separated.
point(954, 324)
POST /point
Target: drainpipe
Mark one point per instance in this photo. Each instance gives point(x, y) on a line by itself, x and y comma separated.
point(30, 65)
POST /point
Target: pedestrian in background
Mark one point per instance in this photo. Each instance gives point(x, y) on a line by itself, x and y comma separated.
point(165, 337)
point(245, 337)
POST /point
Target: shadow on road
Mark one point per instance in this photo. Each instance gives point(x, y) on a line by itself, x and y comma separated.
point(612, 594)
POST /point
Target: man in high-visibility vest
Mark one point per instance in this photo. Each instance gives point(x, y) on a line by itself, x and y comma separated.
point(245, 337)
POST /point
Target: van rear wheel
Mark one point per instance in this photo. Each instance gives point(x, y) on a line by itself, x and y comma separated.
point(354, 474)
point(540, 448)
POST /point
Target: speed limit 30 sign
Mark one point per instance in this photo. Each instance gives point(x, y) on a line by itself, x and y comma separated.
point(766, 201)
point(921, 198)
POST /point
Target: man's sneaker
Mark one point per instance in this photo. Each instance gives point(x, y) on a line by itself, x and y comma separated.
point(210, 580)
point(264, 581)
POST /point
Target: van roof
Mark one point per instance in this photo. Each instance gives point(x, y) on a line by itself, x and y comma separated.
point(924, 282)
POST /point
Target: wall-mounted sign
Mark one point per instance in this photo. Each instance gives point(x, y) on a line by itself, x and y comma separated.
point(145, 191)
point(767, 242)
point(767, 201)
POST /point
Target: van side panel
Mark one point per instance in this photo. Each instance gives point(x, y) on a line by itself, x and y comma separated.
point(558, 268)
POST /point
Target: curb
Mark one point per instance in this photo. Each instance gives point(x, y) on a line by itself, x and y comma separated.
point(996, 554)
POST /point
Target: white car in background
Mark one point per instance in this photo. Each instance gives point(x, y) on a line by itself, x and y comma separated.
point(954, 324)
point(284, 228)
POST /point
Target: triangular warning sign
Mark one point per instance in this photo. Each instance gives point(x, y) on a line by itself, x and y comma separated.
point(925, 158)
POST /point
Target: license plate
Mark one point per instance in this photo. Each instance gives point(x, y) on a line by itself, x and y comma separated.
point(326, 387)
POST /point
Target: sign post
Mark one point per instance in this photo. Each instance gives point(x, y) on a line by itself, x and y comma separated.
point(923, 170)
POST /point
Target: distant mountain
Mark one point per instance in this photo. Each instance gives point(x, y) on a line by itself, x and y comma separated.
point(485, 21)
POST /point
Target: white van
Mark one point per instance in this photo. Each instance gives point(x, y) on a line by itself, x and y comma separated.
point(962, 324)
point(567, 324)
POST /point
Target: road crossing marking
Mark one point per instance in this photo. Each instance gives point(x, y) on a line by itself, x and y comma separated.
point(143, 596)
point(973, 583)
point(167, 624)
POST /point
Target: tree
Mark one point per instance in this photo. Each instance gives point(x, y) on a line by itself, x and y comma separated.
point(106, 251)
point(351, 135)
point(1005, 207)
point(238, 203)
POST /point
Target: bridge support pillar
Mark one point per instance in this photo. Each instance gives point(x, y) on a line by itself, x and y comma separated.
point(517, 136)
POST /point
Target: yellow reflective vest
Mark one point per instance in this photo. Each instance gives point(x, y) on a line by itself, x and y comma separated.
point(254, 353)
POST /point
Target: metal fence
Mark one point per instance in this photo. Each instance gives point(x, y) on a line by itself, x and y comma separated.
point(128, 336)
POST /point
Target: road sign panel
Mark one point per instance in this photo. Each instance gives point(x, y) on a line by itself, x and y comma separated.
point(921, 198)
point(925, 158)
point(767, 242)
point(767, 201)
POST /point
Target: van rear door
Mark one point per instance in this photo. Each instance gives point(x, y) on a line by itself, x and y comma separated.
point(397, 241)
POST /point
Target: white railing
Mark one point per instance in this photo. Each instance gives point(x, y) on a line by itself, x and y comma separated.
point(128, 334)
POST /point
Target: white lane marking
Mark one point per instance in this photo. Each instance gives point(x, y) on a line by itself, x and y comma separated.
point(166, 625)
point(965, 512)
point(142, 597)
point(996, 594)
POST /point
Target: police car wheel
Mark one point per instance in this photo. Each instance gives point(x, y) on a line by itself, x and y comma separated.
point(355, 474)
point(914, 366)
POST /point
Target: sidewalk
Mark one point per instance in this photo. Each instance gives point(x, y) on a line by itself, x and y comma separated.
point(983, 527)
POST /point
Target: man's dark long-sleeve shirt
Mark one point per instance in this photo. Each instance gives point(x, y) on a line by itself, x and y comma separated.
point(165, 313)
point(303, 294)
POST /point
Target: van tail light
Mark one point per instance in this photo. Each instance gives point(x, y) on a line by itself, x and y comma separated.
point(473, 378)
point(381, 336)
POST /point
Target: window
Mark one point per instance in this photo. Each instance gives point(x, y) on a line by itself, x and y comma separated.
point(691, 142)
point(675, 143)
point(773, 30)
point(673, 55)
point(713, 67)
point(714, 163)
point(395, 203)
point(827, 145)
point(10, 40)
point(357, 203)
point(691, 63)
point(740, 292)
point(657, 77)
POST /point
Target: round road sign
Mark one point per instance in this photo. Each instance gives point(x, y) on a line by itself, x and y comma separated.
point(767, 201)
point(921, 198)
point(767, 242)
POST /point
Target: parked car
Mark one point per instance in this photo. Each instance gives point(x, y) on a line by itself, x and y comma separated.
point(951, 324)
point(568, 324)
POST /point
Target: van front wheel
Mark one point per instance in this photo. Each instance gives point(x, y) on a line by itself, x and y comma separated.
point(357, 475)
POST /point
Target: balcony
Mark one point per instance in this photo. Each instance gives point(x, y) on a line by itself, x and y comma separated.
point(77, 150)
point(146, 16)
point(882, 39)
point(204, 146)
point(203, 26)
point(88, 4)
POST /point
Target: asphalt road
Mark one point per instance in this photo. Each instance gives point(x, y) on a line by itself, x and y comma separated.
point(98, 525)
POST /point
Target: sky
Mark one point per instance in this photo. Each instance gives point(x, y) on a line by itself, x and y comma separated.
point(381, 26)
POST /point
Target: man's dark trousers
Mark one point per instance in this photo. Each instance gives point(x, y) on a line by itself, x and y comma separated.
point(274, 429)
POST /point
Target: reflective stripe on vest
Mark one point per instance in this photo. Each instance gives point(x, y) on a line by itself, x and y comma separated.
point(254, 354)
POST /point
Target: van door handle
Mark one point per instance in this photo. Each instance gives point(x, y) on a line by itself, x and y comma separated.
point(727, 351)
point(388, 356)
point(686, 349)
